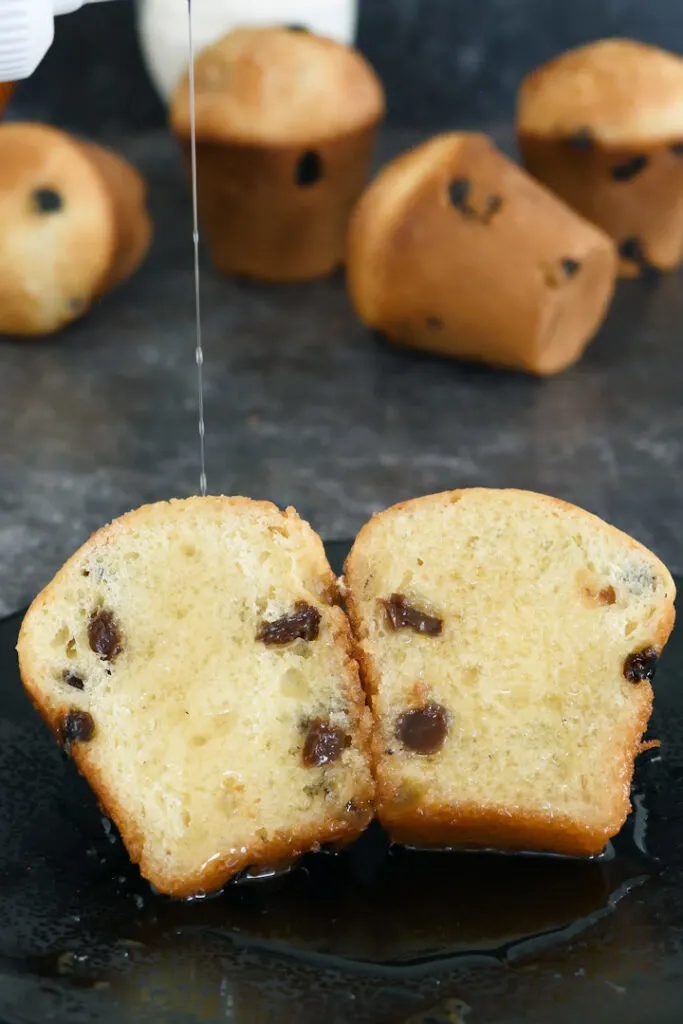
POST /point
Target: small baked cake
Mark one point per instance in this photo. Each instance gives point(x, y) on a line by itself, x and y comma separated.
point(285, 125)
point(507, 641)
point(192, 658)
point(133, 226)
point(602, 126)
point(73, 223)
point(456, 250)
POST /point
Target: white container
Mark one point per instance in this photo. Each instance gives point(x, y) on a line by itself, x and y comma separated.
point(162, 27)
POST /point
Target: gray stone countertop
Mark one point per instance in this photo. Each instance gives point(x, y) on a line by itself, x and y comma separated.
point(304, 406)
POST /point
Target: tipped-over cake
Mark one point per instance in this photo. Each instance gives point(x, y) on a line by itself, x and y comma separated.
point(507, 641)
point(73, 224)
point(453, 248)
point(193, 660)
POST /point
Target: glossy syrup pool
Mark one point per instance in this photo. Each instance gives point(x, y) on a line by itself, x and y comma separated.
point(374, 934)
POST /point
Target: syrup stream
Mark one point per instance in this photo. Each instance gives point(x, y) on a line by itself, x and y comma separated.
point(199, 352)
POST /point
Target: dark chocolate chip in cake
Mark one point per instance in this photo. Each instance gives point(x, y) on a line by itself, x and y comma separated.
point(435, 323)
point(570, 267)
point(676, 148)
point(402, 615)
point(458, 192)
point(629, 169)
point(76, 727)
point(631, 249)
point(71, 679)
point(423, 730)
point(104, 635)
point(309, 169)
point(324, 743)
point(47, 200)
point(581, 139)
point(641, 665)
point(302, 624)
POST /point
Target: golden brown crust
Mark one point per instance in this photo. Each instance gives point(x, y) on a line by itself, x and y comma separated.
point(624, 92)
point(75, 239)
point(643, 214)
point(271, 86)
point(435, 824)
point(259, 224)
point(428, 259)
point(286, 123)
point(602, 127)
point(284, 847)
point(133, 225)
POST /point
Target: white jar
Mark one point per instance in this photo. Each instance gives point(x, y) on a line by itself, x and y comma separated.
point(162, 27)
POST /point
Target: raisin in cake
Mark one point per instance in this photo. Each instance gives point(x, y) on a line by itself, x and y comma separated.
point(602, 126)
point(193, 660)
point(507, 641)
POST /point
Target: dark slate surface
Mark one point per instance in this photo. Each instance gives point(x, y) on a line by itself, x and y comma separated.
point(304, 406)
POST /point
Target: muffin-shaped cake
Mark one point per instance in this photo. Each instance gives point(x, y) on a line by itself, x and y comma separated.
point(507, 641)
point(602, 126)
point(285, 124)
point(193, 660)
point(456, 250)
point(73, 224)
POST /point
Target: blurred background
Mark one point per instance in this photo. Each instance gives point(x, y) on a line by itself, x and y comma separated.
point(303, 404)
point(441, 61)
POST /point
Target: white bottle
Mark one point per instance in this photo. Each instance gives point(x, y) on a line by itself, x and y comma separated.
point(26, 33)
point(162, 26)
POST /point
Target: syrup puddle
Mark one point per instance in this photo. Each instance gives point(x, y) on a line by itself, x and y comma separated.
point(375, 906)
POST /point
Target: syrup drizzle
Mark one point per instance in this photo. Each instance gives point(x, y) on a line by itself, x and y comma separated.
point(198, 352)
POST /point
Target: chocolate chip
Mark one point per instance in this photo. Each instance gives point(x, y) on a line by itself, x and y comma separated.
point(676, 148)
point(402, 615)
point(581, 139)
point(71, 679)
point(629, 169)
point(324, 743)
point(47, 200)
point(104, 635)
point(76, 727)
point(458, 191)
point(297, 28)
point(303, 624)
point(641, 665)
point(570, 267)
point(632, 249)
point(309, 169)
point(423, 730)
point(435, 322)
